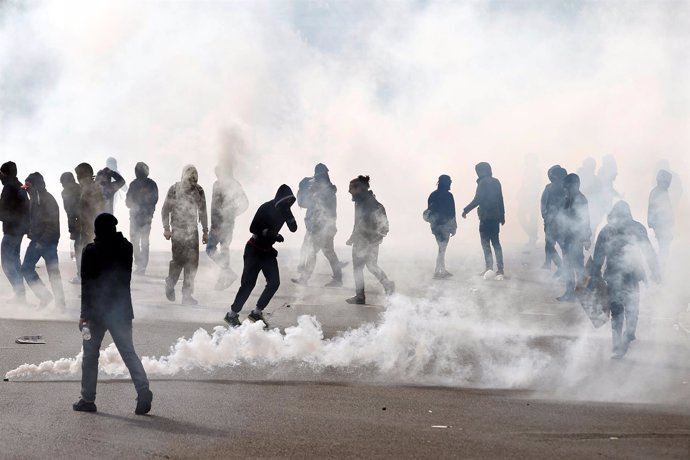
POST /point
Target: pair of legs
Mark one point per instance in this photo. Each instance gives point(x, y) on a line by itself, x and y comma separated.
point(442, 239)
point(550, 253)
point(663, 238)
point(49, 254)
point(488, 233)
point(624, 298)
point(367, 255)
point(139, 233)
point(218, 249)
point(185, 258)
point(11, 263)
point(313, 244)
point(257, 261)
point(574, 266)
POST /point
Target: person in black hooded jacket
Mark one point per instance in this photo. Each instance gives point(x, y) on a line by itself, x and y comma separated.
point(552, 208)
point(261, 256)
point(14, 213)
point(141, 199)
point(70, 202)
point(440, 214)
point(106, 306)
point(489, 199)
point(44, 233)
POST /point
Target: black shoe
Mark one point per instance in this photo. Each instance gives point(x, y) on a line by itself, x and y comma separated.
point(334, 283)
point(75, 280)
point(233, 321)
point(170, 291)
point(300, 281)
point(254, 317)
point(356, 300)
point(144, 403)
point(189, 300)
point(546, 266)
point(83, 406)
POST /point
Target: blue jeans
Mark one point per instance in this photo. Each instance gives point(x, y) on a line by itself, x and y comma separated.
point(49, 253)
point(121, 332)
point(11, 264)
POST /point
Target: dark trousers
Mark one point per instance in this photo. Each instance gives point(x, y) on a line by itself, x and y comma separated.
point(442, 239)
point(366, 255)
point(218, 247)
point(624, 299)
point(257, 260)
point(185, 257)
point(550, 240)
point(139, 234)
point(488, 233)
point(121, 332)
point(11, 264)
point(313, 244)
point(49, 253)
point(574, 263)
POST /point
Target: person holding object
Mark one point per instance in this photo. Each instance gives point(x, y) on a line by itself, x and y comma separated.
point(440, 213)
point(106, 306)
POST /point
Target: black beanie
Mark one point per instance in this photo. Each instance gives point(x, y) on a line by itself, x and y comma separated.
point(9, 169)
point(105, 225)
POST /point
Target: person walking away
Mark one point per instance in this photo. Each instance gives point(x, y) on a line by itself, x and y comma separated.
point(14, 213)
point(371, 226)
point(70, 202)
point(141, 199)
point(184, 208)
point(109, 181)
point(577, 235)
point(227, 202)
point(91, 204)
point(660, 216)
point(489, 199)
point(44, 233)
point(261, 256)
point(552, 208)
point(618, 247)
point(106, 306)
point(318, 196)
point(440, 213)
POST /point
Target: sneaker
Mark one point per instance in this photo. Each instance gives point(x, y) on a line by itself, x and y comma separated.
point(500, 276)
point(75, 280)
point(169, 291)
point(389, 288)
point(299, 281)
point(140, 271)
point(356, 300)
point(187, 299)
point(83, 406)
point(144, 403)
point(334, 283)
point(233, 321)
point(254, 317)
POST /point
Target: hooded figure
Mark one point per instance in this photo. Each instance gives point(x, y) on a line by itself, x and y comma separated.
point(318, 195)
point(621, 245)
point(577, 235)
point(109, 181)
point(106, 306)
point(371, 226)
point(70, 201)
point(660, 213)
point(141, 200)
point(227, 202)
point(440, 213)
point(260, 256)
point(184, 208)
point(14, 213)
point(489, 199)
point(44, 233)
point(552, 209)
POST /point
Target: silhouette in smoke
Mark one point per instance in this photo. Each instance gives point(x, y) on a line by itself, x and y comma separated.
point(141, 200)
point(660, 214)
point(371, 226)
point(618, 246)
point(440, 213)
point(91, 204)
point(109, 181)
point(590, 186)
point(70, 202)
point(184, 208)
point(318, 195)
point(227, 202)
point(528, 196)
point(44, 233)
point(489, 199)
point(261, 256)
point(552, 209)
point(106, 305)
point(577, 235)
point(14, 213)
point(675, 191)
point(607, 193)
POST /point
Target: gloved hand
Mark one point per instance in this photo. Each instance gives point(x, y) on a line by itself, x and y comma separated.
point(503, 221)
point(167, 234)
point(83, 323)
point(464, 215)
point(279, 238)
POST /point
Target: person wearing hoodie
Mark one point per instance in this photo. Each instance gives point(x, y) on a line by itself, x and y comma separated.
point(70, 202)
point(489, 199)
point(318, 195)
point(227, 202)
point(371, 226)
point(14, 213)
point(618, 247)
point(111, 182)
point(44, 233)
point(440, 213)
point(577, 235)
point(552, 208)
point(184, 208)
point(261, 256)
point(106, 306)
point(141, 200)
point(91, 204)
point(660, 214)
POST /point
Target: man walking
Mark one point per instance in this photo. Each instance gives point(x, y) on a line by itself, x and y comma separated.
point(440, 213)
point(577, 235)
point(552, 208)
point(91, 204)
point(141, 200)
point(70, 202)
point(660, 214)
point(14, 213)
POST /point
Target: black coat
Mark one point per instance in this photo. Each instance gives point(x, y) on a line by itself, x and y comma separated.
point(142, 197)
point(270, 218)
point(575, 221)
point(489, 199)
point(371, 221)
point(106, 273)
point(441, 211)
point(14, 207)
point(319, 197)
point(70, 201)
point(44, 227)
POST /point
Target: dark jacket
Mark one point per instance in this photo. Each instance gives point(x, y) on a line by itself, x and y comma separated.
point(110, 182)
point(14, 207)
point(660, 211)
point(142, 196)
point(318, 196)
point(184, 208)
point(441, 212)
point(575, 221)
point(488, 197)
point(44, 226)
point(270, 217)
point(371, 221)
point(71, 192)
point(91, 204)
point(106, 272)
point(228, 201)
point(553, 198)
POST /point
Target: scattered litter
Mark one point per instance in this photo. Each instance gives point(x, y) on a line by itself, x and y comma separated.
point(613, 437)
point(5, 380)
point(30, 339)
point(439, 426)
point(383, 408)
point(430, 412)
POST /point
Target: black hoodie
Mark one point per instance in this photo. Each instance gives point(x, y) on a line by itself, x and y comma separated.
point(14, 202)
point(554, 195)
point(142, 196)
point(371, 221)
point(44, 225)
point(321, 202)
point(488, 197)
point(71, 191)
point(271, 216)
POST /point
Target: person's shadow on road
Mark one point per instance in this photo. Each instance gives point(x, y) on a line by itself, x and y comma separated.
point(164, 424)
